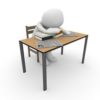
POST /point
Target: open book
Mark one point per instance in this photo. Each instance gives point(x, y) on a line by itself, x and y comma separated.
point(48, 44)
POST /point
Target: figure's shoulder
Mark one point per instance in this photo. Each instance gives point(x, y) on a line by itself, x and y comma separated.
point(39, 24)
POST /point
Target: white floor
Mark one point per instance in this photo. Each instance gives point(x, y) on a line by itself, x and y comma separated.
point(66, 79)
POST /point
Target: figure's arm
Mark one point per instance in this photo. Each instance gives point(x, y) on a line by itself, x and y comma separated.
point(53, 30)
point(49, 30)
point(41, 28)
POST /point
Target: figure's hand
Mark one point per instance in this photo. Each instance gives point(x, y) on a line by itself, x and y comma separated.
point(67, 32)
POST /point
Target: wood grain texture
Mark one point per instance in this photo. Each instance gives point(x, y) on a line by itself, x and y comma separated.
point(64, 40)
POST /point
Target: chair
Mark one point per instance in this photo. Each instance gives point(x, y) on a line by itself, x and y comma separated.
point(29, 31)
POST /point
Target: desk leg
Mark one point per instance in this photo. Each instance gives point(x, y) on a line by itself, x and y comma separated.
point(37, 56)
point(22, 56)
point(62, 50)
point(44, 71)
point(84, 51)
point(29, 51)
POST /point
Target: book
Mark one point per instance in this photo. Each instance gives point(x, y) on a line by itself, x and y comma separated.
point(43, 36)
point(48, 44)
point(58, 35)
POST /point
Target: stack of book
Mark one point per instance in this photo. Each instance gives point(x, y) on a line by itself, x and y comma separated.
point(58, 34)
point(43, 36)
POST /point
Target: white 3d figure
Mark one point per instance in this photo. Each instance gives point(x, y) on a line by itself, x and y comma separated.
point(50, 24)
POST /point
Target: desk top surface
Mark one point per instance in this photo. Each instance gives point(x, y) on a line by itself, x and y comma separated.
point(64, 41)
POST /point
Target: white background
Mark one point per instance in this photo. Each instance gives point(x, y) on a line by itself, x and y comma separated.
point(68, 79)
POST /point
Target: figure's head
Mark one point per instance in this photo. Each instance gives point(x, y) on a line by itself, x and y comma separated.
point(52, 18)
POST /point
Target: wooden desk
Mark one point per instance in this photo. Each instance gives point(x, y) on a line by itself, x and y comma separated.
point(31, 42)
